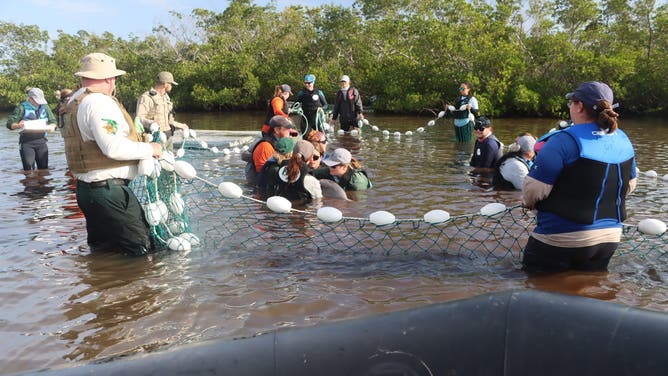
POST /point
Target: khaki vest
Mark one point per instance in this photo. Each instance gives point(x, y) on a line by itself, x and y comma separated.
point(86, 156)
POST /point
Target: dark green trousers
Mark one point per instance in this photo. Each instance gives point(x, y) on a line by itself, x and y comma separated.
point(114, 218)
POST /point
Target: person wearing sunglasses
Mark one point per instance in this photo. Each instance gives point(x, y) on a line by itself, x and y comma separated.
point(319, 141)
point(578, 185)
point(487, 149)
point(464, 110)
point(312, 101)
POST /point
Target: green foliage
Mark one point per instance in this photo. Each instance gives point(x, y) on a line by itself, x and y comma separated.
point(410, 55)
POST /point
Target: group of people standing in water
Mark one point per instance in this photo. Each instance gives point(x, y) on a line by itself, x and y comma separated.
point(297, 164)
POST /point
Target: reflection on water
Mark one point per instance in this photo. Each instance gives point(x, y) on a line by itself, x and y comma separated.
point(61, 304)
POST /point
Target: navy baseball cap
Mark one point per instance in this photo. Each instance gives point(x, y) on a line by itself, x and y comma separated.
point(591, 92)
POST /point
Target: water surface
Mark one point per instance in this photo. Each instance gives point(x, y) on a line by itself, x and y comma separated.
point(62, 304)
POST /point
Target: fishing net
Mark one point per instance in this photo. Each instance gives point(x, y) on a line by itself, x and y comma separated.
point(187, 211)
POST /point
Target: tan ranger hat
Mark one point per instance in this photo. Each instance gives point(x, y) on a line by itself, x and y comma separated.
point(98, 66)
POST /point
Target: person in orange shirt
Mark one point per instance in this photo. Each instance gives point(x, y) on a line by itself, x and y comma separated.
point(277, 106)
point(279, 127)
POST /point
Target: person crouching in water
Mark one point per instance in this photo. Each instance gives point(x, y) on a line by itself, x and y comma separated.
point(514, 166)
point(487, 149)
point(295, 180)
point(345, 171)
point(268, 180)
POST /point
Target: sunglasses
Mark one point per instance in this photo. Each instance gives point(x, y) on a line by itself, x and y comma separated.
point(316, 157)
point(478, 128)
point(462, 88)
point(308, 83)
point(322, 141)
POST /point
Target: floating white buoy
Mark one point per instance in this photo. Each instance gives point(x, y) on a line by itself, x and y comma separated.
point(185, 169)
point(279, 204)
point(563, 124)
point(441, 114)
point(431, 123)
point(178, 244)
point(386, 132)
point(193, 134)
point(329, 214)
point(451, 108)
point(365, 121)
point(146, 167)
point(354, 132)
point(409, 133)
point(651, 174)
point(471, 117)
point(190, 238)
point(226, 151)
point(462, 107)
point(167, 161)
point(163, 137)
point(180, 153)
point(652, 226)
point(493, 208)
point(176, 203)
point(154, 127)
point(381, 218)
point(360, 123)
point(214, 150)
point(236, 150)
point(204, 144)
point(163, 210)
point(341, 132)
point(375, 128)
point(664, 177)
point(230, 190)
point(397, 134)
point(436, 216)
point(152, 213)
point(420, 130)
point(176, 227)
point(245, 148)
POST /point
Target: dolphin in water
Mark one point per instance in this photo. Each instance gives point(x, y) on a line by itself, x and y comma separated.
point(331, 189)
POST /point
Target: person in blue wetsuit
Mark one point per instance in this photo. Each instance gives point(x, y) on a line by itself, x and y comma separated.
point(578, 184)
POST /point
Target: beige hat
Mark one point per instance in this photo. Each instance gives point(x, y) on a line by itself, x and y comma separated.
point(165, 78)
point(37, 95)
point(98, 66)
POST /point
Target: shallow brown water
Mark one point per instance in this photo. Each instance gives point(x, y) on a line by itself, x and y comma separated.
point(61, 304)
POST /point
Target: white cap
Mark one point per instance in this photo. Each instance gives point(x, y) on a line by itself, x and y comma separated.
point(339, 156)
point(37, 95)
point(345, 78)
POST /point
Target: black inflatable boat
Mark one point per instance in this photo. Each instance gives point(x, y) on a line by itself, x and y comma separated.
point(524, 332)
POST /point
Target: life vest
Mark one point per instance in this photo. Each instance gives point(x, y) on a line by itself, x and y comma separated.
point(594, 187)
point(350, 98)
point(86, 156)
point(270, 111)
point(499, 153)
point(32, 113)
point(161, 110)
point(462, 117)
point(294, 190)
point(250, 170)
point(499, 181)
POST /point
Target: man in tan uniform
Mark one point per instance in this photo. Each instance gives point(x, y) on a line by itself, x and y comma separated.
point(155, 106)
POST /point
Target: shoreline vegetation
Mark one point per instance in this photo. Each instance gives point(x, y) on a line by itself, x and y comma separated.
point(406, 57)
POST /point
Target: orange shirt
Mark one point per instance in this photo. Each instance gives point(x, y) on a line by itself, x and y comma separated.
point(263, 151)
point(277, 104)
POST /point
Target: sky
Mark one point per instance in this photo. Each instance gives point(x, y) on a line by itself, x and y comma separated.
point(120, 17)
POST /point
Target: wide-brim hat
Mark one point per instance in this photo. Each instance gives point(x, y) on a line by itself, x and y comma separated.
point(98, 66)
